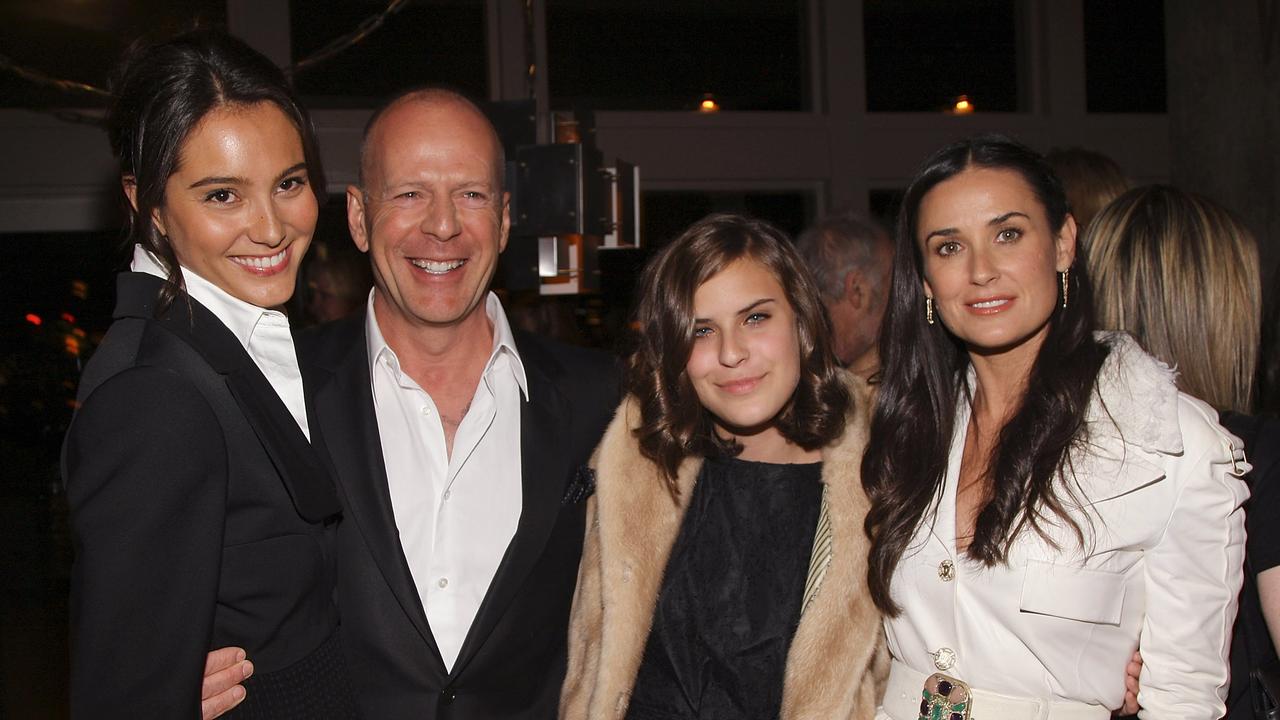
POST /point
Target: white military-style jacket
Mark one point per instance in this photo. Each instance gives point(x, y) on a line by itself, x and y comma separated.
point(1158, 491)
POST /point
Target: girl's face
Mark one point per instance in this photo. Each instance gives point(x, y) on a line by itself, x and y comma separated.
point(237, 211)
point(991, 260)
point(745, 362)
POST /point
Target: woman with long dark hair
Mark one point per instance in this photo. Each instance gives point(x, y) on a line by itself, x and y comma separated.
point(1042, 495)
point(202, 518)
point(724, 569)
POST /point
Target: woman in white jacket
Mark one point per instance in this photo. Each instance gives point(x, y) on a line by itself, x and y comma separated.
point(1043, 496)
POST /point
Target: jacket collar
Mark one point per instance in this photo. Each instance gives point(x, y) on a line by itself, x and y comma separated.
point(504, 342)
point(1130, 422)
point(637, 522)
point(137, 296)
point(240, 317)
point(304, 475)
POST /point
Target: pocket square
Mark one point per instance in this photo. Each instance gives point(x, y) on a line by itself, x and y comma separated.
point(581, 487)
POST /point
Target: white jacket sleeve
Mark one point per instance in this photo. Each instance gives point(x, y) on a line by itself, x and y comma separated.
point(1193, 575)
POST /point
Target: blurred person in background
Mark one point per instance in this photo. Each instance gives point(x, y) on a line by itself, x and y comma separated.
point(850, 258)
point(1180, 274)
point(1090, 179)
point(335, 282)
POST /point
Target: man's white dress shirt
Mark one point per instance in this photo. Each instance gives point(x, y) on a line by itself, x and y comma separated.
point(456, 514)
point(263, 333)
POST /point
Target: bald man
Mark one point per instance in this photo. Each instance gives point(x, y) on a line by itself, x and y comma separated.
point(456, 441)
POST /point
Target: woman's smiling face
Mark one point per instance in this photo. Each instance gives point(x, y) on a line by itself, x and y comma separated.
point(237, 210)
point(745, 363)
point(991, 260)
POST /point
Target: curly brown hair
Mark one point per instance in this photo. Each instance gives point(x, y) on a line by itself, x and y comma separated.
point(674, 424)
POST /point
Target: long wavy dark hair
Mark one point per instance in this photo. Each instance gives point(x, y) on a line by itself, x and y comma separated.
point(160, 93)
point(674, 424)
point(923, 373)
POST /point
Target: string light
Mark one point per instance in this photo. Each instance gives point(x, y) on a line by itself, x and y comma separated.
point(963, 106)
point(708, 104)
point(362, 31)
point(338, 45)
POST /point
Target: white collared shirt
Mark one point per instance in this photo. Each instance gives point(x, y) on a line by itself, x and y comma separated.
point(263, 333)
point(456, 514)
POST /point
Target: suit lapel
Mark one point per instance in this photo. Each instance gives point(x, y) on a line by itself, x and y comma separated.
point(348, 426)
point(305, 478)
point(544, 475)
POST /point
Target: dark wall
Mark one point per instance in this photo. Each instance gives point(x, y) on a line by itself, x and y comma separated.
point(1224, 111)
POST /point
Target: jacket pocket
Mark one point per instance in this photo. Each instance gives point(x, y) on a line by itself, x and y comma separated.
point(1093, 596)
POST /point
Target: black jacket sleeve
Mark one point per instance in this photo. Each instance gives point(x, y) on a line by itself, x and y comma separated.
point(145, 463)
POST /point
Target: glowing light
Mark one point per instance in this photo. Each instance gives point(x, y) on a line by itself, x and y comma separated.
point(963, 106)
point(34, 319)
point(708, 104)
point(68, 317)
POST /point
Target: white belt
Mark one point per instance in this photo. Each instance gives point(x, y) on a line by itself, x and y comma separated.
point(902, 702)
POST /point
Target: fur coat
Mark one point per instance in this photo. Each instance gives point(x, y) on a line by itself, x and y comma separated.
point(836, 663)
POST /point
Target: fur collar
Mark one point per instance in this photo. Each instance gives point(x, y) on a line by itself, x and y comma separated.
point(1131, 424)
point(835, 663)
point(1136, 398)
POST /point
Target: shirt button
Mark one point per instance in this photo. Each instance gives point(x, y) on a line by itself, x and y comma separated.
point(426, 410)
point(947, 571)
point(442, 583)
point(944, 658)
point(446, 495)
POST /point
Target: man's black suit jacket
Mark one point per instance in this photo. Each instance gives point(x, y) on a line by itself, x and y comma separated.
point(512, 662)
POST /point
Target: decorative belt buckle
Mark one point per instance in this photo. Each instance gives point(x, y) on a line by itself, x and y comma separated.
point(945, 698)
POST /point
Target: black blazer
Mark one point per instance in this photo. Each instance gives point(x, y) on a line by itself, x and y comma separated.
point(199, 514)
point(512, 662)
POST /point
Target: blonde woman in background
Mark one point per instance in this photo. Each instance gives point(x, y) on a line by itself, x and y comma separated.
point(1181, 275)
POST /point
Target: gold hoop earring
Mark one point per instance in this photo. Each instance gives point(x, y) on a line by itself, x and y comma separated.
point(1065, 274)
point(928, 309)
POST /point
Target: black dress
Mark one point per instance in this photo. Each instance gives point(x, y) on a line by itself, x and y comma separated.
point(731, 596)
point(1250, 642)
